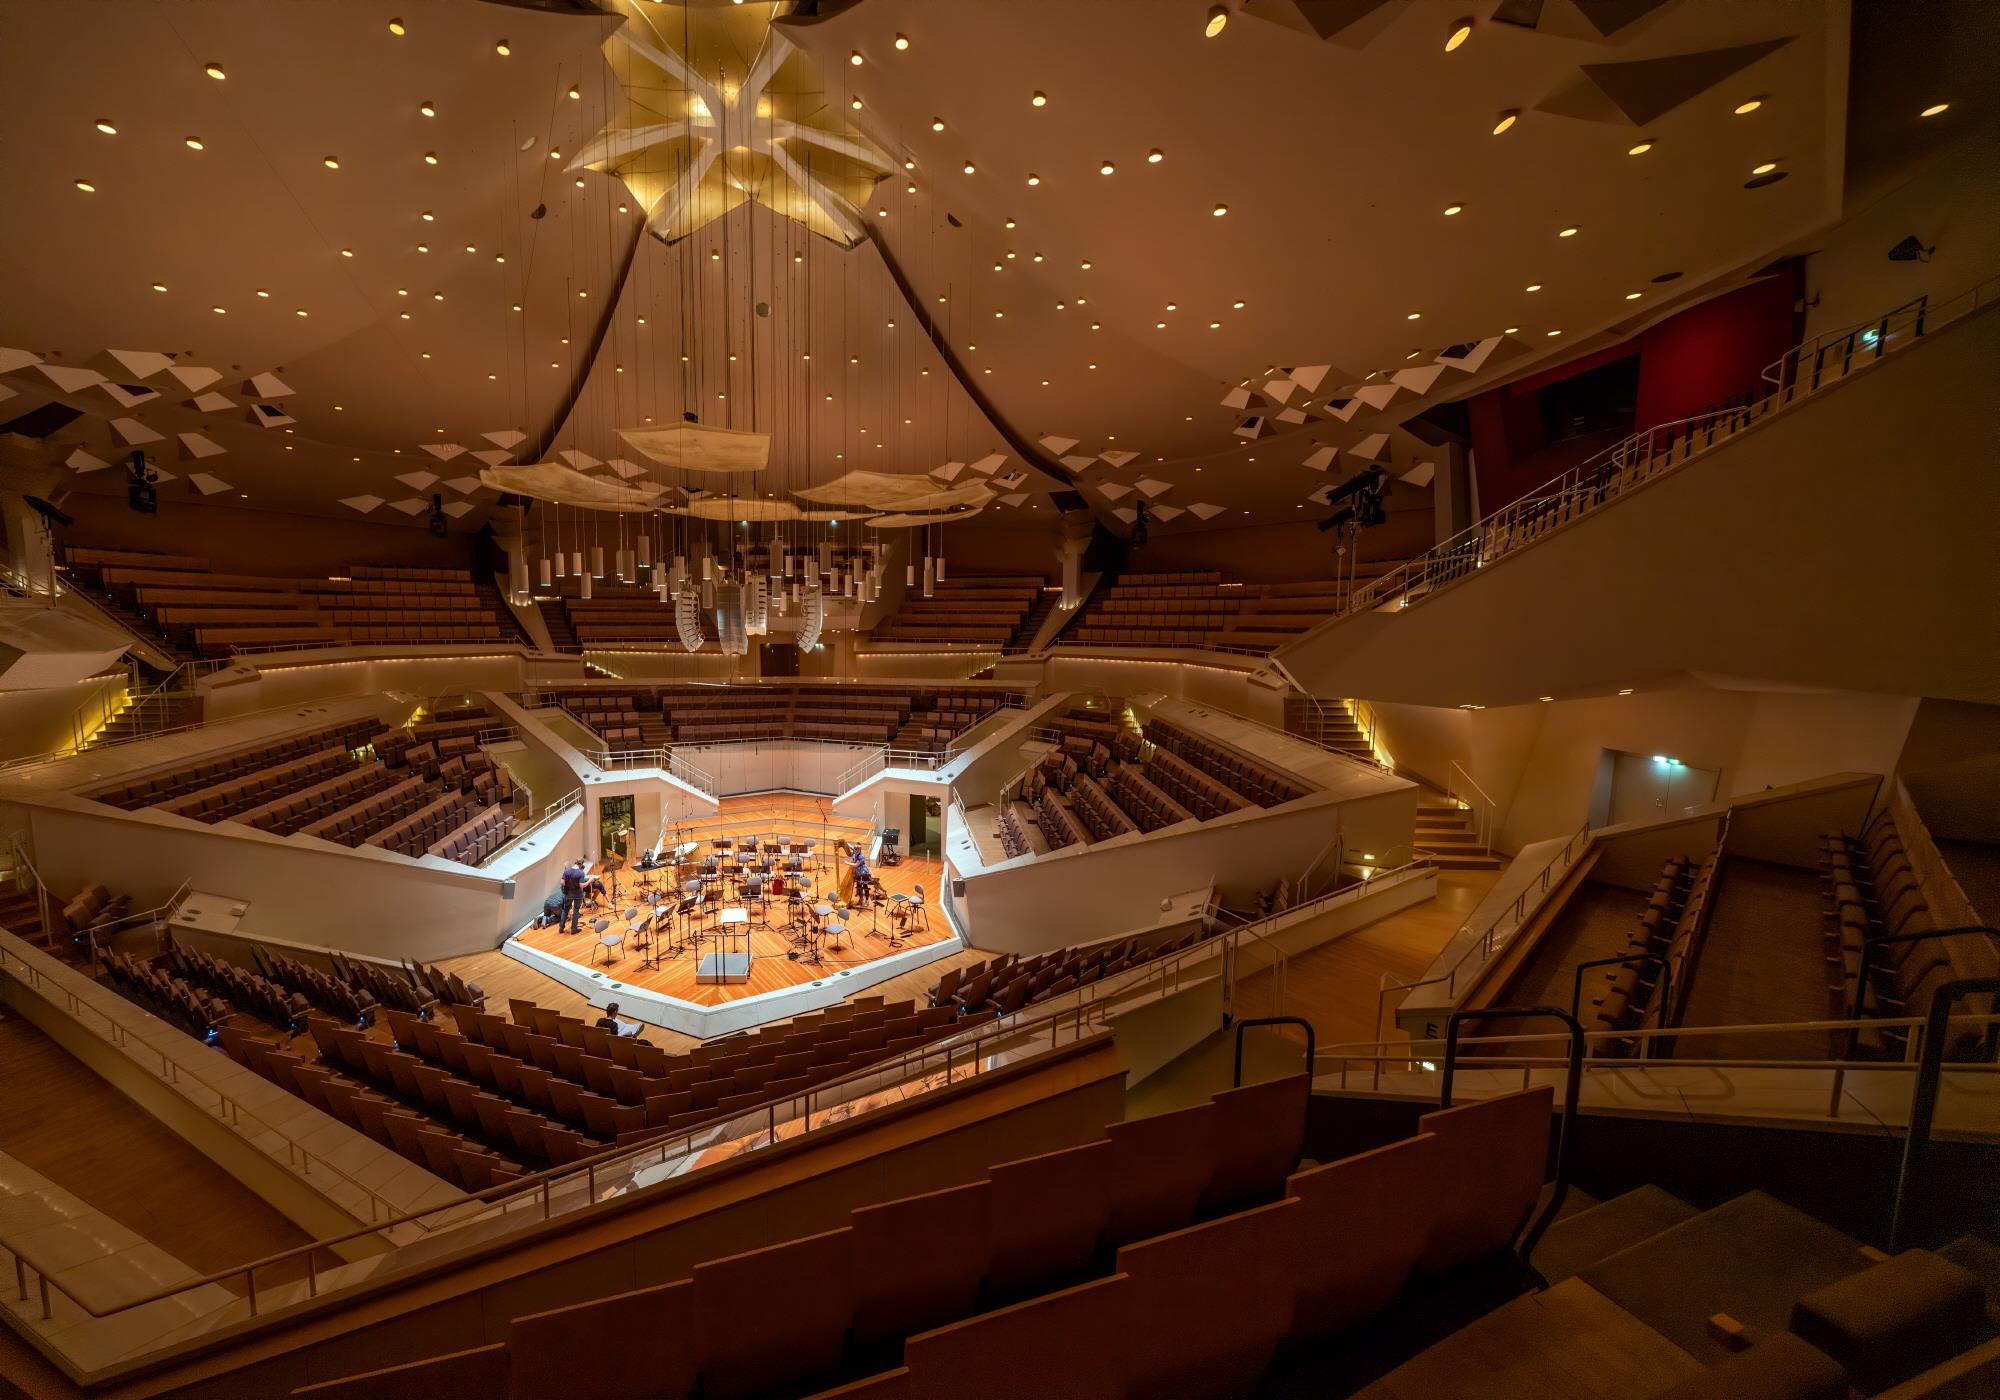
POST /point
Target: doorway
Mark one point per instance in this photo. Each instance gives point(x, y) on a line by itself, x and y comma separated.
point(614, 826)
point(924, 835)
point(1647, 787)
point(777, 659)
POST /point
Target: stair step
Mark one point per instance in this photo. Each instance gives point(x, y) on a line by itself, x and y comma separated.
point(1444, 860)
point(1576, 1242)
point(1446, 838)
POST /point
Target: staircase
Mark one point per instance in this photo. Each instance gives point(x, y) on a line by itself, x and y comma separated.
point(556, 618)
point(1024, 635)
point(1446, 838)
point(21, 915)
point(127, 615)
point(510, 625)
point(1328, 723)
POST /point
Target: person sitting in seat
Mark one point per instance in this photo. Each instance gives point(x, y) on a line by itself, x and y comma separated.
point(610, 1023)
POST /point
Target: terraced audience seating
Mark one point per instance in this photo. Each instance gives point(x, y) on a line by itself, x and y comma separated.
point(907, 716)
point(976, 609)
point(1204, 608)
point(1010, 983)
point(159, 789)
point(1095, 1282)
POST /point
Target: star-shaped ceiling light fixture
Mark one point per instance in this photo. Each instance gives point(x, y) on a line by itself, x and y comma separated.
point(716, 107)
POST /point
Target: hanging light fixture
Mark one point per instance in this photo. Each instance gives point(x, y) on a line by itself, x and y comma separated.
point(547, 581)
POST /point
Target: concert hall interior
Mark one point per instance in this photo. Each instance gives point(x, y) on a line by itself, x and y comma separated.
point(954, 699)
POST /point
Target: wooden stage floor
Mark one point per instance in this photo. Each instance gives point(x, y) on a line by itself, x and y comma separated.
point(772, 968)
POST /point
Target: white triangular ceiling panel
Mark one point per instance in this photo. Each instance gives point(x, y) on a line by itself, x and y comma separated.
point(206, 484)
point(443, 451)
point(1236, 398)
point(455, 509)
point(1014, 498)
point(1321, 458)
point(582, 461)
point(194, 378)
point(1472, 359)
point(506, 437)
point(80, 462)
point(266, 386)
point(1291, 416)
point(133, 431)
point(1058, 445)
point(626, 470)
point(417, 481)
point(69, 378)
point(1113, 491)
point(1375, 395)
point(410, 506)
point(492, 456)
point(1153, 488)
point(12, 359)
point(196, 445)
point(1166, 512)
point(1118, 459)
point(131, 365)
point(989, 464)
point(364, 504)
point(212, 403)
point(1421, 474)
point(118, 395)
point(1126, 514)
point(1078, 462)
point(1279, 390)
point(1369, 448)
point(1418, 379)
point(464, 485)
point(1204, 510)
point(1309, 376)
point(948, 472)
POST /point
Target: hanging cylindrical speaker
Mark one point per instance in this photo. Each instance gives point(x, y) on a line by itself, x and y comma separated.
point(645, 551)
point(930, 575)
point(548, 580)
point(788, 563)
point(707, 568)
point(576, 563)
point(562, 565)
point(597, 561)
point(586, 587)
point(940, 568)
point(627, 565)
point(708, 595)
point(910, 574)
point(812, 570)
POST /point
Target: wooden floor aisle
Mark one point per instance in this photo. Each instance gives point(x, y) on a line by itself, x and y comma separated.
point(60, 1119)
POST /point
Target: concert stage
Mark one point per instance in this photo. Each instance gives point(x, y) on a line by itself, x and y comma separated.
point(696, 978)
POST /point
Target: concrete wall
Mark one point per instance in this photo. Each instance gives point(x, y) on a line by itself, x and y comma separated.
point(42, 721)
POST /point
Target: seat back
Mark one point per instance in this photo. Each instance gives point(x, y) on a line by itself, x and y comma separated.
point(1068, 1344)
point(1494, 1160)
point(919, 1261)
point(630, 1346)
point(789, 1344)
point(478, 1374)
point(1259, 1131)
point(1049, 1215)
point(1162, 1166)
point(1361, 1228)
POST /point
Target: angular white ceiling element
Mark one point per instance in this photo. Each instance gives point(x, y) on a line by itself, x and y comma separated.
point(418, 481)
point(1118, 459)
point(132, 365)
point(1321, 458)
point(492, 456)
point(124, 398)
point(555, 481)
point(1077, 462)
point(1369, 449)
point(506, 437)
point(1013, 498)
point(206, 484)
point(1251, 427)
point(1236, 398)
point(902, 521)
point(69, 378)
point(364, 504)
point(80, 462)
point(1291, 416)
point(455, 509)
point(1309, 376)
point(133, 431)
point(888, 491)
point(11, 360)
point(194, 378)
point(410, 506)
point(949, 471)
point(1418, 379)
point(212, 403)
point(1474, 357)
point(266, 386)
point(464, 485)
point(266, 415)
point(196, 445)
point(1420, 475)
point(1205, 510)
point(1152, 488)
point(1113, 490)
point(990, 463)
point(443, 451)
point(1126, 514)
point(1375, 395)
point(1279, 390)
point(626, 470)
point(582, 461)
point(1166, 512)
point(1058, 445)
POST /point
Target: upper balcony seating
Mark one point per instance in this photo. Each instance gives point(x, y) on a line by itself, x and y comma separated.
point(1201, 608)
point(1871, 892)
point(979, 610)
point(1230, 768)
point(215, 613)
point(1671, 929)
point(1179, 1255)
point(907, 716)
point(251, 991)
point(213, 775)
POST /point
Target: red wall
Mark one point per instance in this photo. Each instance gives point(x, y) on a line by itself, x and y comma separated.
point(1687, 363)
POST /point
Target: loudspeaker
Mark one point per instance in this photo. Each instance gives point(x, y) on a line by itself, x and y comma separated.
point(958, 889)
point(506, 889)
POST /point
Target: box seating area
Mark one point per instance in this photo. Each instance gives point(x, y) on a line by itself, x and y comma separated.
point(218, 771)
point(980, 610)
point(1013, 840)
point(1671, 929)
point(1011, 983)
point(1183, 1255)
point(477, 838)
point(269, 1001)
point(1871, 892)
point(215, 613)
point(1201, 608)
point(95, 911)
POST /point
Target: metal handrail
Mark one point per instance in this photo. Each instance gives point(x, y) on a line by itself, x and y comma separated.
point(1662, 997)
point(1485, 811)
point(1558, 866)
point(1236, 1075)
point(1641, 455)
point(1923, 1098)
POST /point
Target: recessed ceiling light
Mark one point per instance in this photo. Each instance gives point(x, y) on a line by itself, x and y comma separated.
point(1570, 232)
point(1040, 99)
point(1626, 691)
point(969, 167)
point(856, 59)
point(1505, 121)
point(1218, 20)
point(159, 286)
point(1545, 699)
point(214, 70)
point(937, 124)
point(106, 127)
point(330, 162)
point(1451, 209)
point(1215, 325)
point(1414, 316)
point(86, 187)
point(1107, 168)
point(1159, 325)
point(1744, 109)
point(1219, 210)
point(1633, 296)
point(218, 310)
point(429, 109)
point(430, 157)
point(854, 102)
point(193, 143)
point(396, 28)
point(1555, 332)
point(575, 94)
point(263, 292)
point(902, 42)
point(423, 247)
point(502, 48)
point(1639, 149)
point(1034, 179)
point(347, 252)
point(1533, 287)
point(1455, 37)
point(1934, 109)
point(1173, 306)
point(1512, 330)
point(1764, 169)
point(427, 216)
point(1238, 305)
point(1155, 156)
point(300, 311)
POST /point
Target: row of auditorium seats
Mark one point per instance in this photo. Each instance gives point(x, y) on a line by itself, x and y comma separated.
point(337, 996)
point(216, 613)
point(158, 789)
point(1670, 930)
point(433, 824)
point(1103, 817)
point(1011, 983)
point(1184, 1255)
point(1143, 799)
point(94, 913)
point(249, 991)
point(164, 993)
point(427, 1141)
point(983, 610)
point(1871, 892)
point(1013, 840)
point(476, 839)
point(1256, 780)
point(1203, 609)
point(915, 716)
point(1058, 820)
point(294, 811)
